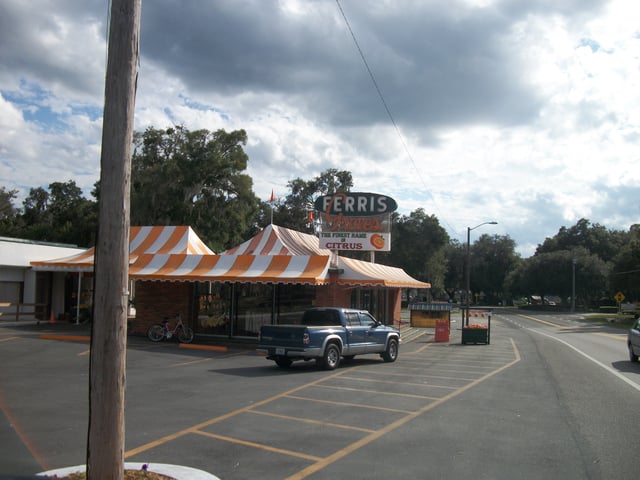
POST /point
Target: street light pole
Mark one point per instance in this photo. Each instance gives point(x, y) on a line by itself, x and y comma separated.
point(466, 322)
point(573, 286)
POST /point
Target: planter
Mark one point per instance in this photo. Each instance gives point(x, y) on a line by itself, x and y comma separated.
point(174, 471)
point(475, 335)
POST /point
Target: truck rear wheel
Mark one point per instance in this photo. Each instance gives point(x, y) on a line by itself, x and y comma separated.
point(331, 357)
point(283, 362)
point(391, 353)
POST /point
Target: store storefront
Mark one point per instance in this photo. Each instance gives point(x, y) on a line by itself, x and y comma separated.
point(270, 278)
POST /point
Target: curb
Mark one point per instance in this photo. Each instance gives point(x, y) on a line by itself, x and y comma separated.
point(199, 346)
point(174, 471)
point(57, 336)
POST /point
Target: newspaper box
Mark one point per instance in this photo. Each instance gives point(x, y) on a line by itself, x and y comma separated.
point(442, 330)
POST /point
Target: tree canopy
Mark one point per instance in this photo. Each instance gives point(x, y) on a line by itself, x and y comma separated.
point(294, 211)
point(198, 178)
point(182, 177)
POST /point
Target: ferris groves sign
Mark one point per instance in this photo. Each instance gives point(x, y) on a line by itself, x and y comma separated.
point(355, 221)
point(352, 204)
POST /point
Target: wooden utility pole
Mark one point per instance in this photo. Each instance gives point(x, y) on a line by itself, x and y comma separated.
point(107, 375)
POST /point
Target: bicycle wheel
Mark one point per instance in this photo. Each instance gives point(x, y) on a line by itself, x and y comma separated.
point(185, 335)
point(155, 333)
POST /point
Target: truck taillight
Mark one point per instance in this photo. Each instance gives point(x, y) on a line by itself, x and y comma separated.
point(305, 339)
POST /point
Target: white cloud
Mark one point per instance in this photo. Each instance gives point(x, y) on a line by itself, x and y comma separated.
point(525, 113)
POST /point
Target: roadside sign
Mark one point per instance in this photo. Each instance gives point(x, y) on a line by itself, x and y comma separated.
point(619, 297)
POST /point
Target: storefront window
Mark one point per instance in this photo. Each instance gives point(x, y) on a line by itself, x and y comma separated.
point(366, 299)
point(253, 309)
point(293, 300)
point(213, 308)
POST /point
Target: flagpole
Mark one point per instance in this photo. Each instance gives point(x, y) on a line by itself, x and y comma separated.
point(271, 201)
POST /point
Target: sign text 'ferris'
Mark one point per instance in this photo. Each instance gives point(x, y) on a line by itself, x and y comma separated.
point(355, 204)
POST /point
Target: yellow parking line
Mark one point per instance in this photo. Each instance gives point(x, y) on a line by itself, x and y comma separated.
point(197, 427)
point(311, 469)
point(348, 404)
point(364, 390)
point(319, 462)
point(261, 446)
point(313, 422)
point(413, 384)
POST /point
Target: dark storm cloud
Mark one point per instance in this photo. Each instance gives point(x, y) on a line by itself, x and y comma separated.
point(41, 45)
point(444, 66)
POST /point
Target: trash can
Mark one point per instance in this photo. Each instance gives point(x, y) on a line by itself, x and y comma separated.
point(442, 331)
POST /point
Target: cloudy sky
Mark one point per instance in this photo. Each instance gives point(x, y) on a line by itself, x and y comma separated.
point(522, 112)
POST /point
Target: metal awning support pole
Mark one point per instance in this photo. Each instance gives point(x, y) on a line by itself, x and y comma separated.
point(78, 298)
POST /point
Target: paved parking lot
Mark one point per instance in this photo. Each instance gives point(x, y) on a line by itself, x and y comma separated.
point(231, 413)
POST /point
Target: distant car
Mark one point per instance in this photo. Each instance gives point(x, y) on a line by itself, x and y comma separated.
point(633, 340)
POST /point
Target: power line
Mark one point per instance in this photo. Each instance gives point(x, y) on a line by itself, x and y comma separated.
point(387, 109)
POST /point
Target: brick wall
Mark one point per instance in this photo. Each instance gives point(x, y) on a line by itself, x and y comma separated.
point(333, 295)
point(157, 300)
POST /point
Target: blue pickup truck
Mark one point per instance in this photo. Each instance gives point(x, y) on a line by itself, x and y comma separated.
point(327, 335)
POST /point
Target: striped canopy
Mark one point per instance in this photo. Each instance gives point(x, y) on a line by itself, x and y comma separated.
point(275, 240)
point(275, 255)
point(303, 269)
point(143, 240)
point(358, 272)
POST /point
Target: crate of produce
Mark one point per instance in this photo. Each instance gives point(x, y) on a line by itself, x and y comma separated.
point(475, 334)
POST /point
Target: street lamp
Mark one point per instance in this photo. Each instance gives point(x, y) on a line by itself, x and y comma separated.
point(573, 285)
point(466, 323)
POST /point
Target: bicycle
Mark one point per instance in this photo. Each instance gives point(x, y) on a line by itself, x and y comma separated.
point(159, 332)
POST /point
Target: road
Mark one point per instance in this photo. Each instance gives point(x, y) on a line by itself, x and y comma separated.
point(549, 397)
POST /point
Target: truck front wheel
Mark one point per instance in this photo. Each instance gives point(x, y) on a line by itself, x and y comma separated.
point(391, 353)
point(331, 357)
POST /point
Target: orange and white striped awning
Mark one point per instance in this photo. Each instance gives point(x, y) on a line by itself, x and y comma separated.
point(359, 272)
point(143, 240)
point(302, 269)
point(275, 240)
point(275, 255)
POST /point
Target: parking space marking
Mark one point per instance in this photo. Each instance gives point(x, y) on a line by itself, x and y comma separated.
point(373, 380)
point(377, 392)
point(348, 404)
point(311, 392)
point(420, 375)
point(310, 421)
point(197, 427)
point(261, 446)
point(311, 469)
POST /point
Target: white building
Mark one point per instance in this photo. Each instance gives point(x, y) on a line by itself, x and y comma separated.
point(25, 292)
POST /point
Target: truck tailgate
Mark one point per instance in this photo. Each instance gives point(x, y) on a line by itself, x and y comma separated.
point(282, 335)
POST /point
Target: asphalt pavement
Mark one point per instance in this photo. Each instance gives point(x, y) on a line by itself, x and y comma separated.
point(522, 407)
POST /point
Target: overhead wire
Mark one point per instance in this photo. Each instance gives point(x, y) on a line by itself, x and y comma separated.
point(388, 110)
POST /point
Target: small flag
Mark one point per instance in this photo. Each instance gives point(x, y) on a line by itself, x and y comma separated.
point(272, 199)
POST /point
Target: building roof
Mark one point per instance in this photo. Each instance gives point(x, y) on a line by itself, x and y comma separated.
point(15, 252)
point(275, 240)
point(274, 255)
point(359, 272)
point(142, 240)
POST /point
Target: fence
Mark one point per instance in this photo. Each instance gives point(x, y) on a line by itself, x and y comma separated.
point(15, 312)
